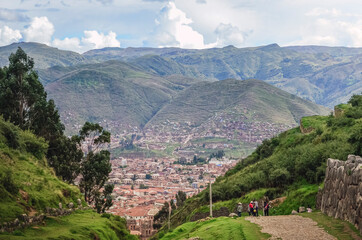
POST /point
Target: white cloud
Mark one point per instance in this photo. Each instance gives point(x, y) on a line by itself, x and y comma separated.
point(91, 40)
point(71, 44)
point(40, 30)
point(228, 34)
point(331, 28)
point(173, 30)
point(8, 35)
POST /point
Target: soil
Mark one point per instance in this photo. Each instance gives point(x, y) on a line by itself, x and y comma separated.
point(290, 227)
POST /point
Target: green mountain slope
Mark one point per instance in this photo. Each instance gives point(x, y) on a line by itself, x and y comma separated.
point(291, 164)
point(29, 186)
point(27, 183)
point(43, 55)
point(112, 91)
point(262, 101)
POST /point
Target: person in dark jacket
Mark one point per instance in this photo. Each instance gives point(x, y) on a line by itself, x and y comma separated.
point(266, 208)
point(256, 208)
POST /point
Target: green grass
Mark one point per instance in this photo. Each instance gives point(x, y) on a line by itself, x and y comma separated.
point(218, 228)
point(342, 230)
point(79, 225)
point(298, 195)
point(26, 182)
point(314, 121)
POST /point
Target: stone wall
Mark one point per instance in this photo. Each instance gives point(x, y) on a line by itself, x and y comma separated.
point(341, 196)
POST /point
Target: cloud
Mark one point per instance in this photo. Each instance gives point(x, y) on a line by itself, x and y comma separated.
point(91, 40)
point(332, 28)
point(10, 15)
point(173, 30)
point(201, 1)
point(228, 34)
point(71, 44)
point(8, 35)
point(94, 39)
point(40, 30)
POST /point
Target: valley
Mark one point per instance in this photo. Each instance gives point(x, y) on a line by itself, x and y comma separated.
point(243, 119)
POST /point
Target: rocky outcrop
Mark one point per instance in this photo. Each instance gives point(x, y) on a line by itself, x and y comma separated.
point(341, 196)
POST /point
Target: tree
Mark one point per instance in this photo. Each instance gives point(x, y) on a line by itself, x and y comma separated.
point(65, 157)
point(180, 198)
point(20, 89)
point(23, 101)
point(103, 201)
point(162, 215)
point(95, 166)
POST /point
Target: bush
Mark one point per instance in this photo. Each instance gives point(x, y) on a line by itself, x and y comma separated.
point(6, 179)
point(9, 131)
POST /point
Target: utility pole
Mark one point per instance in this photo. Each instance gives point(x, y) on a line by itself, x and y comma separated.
point(210, 196)
point(169, 216)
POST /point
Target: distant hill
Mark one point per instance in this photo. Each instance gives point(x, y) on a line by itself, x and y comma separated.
point(112, 91)
point(43, 55)
point(127, 96)
point(304, 71)
point(252, 99)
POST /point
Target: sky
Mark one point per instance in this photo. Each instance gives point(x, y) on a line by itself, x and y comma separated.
point(82, 25)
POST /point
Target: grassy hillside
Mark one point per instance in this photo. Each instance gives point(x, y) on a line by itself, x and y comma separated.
point(263, 102)
point(114, 91)
point(79, 225)
point(218, 228)
point(28, 186)
point(43, 55)
point(291, 164)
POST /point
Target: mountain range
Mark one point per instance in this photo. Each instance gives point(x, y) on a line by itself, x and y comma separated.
point(143, 86)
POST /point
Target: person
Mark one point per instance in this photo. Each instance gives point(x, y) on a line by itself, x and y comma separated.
point(239, 209)
point(251, 207)
point(256, 206)
point(266, 208)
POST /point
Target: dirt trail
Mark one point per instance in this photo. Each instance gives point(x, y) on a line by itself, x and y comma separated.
point(291, 228)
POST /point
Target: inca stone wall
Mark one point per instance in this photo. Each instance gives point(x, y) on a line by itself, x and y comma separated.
point(341, 196)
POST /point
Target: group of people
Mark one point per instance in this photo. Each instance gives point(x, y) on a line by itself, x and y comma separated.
point(253, 208)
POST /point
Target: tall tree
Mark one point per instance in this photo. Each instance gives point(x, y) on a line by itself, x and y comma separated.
point(95, 166)
point(20, 89)
point(23, 101)
point(180, 198)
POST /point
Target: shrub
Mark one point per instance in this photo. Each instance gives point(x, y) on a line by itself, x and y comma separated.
point(6, 179)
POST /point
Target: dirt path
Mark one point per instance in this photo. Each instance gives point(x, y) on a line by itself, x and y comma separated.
point(290, 228)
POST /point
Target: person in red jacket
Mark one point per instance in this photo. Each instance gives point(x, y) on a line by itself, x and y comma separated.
point(251, 207)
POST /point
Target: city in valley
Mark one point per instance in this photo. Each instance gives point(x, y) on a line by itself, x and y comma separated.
point(150, 166)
